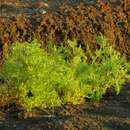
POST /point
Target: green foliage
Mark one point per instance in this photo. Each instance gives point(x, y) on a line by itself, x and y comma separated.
point(108, 69)
point(42, 79)
point(56, 76)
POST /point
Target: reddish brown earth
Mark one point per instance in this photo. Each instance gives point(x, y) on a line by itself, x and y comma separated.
point(82, 21)
point(24, 20)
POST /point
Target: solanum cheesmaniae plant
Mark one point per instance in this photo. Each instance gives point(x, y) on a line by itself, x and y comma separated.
point(108, 69)
point(41, 78)
point(58, 75)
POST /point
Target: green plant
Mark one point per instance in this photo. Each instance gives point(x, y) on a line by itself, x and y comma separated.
point(41, 78)
point(47, 78)
point(108, 69)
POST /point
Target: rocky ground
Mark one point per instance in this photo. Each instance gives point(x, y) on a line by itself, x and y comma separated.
point(54, 21)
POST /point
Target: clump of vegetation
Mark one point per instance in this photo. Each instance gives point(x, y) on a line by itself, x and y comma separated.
point(7, 96)
point(53, 77)
point(108, 69)
point(41, 78)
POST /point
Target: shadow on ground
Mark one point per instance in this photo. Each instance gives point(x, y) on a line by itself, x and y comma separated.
point(110, 114)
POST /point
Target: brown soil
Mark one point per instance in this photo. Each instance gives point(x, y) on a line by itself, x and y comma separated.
point(83, 21)
point(23, 21)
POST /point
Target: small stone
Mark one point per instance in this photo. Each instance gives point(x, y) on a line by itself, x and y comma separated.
point(115, 1)
point(42, 4)
point(90, 2)
point(43, 12)
point(14, 125)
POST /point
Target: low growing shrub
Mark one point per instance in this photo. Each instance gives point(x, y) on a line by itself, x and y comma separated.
point(41, 78)
point(108, 69)
point(7, 96)
point(53, 77)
